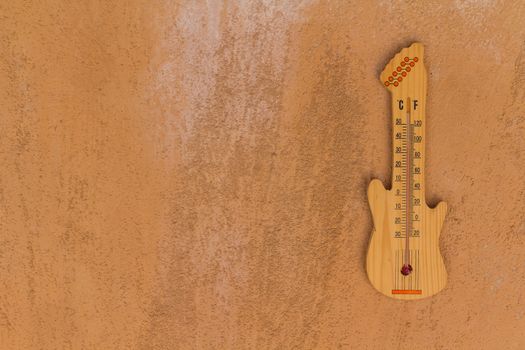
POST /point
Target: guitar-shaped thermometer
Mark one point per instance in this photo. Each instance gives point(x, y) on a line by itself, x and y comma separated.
point(403, 259)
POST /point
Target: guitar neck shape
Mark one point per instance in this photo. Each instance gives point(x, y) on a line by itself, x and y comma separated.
point(403, 259)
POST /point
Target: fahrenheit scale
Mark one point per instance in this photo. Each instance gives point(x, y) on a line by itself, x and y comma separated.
point(403, 259)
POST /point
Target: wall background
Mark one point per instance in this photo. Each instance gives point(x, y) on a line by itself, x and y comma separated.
point(192, 174)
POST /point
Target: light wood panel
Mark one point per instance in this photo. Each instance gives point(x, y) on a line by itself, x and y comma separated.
point(403, 260)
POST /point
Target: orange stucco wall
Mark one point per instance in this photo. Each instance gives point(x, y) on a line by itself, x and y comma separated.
point(192, 174)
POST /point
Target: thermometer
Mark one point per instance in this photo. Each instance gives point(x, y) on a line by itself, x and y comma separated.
point(403, 259)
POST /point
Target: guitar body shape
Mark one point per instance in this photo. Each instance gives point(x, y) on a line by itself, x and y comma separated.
point(403, 259)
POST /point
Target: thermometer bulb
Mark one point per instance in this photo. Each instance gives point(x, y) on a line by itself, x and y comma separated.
point(406, 269)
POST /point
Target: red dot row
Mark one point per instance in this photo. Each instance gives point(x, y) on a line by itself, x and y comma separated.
point(394, 79)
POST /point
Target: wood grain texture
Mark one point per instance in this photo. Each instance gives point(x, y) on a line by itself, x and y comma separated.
point(406, 78)
point(192, 175)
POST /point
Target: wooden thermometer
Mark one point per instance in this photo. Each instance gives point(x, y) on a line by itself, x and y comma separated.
point(403, 260)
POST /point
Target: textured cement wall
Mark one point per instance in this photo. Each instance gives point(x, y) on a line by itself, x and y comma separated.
point(192, 175)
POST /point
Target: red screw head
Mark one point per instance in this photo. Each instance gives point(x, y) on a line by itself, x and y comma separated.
point(406, 59)
point(399, 79)
point(387, 83)
point(396, 83)
point(416, 59)
point(408, 69)
point(412, 64)
point(404, 74)
point(391, 78)
point(398, 69)
point(403, 64)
